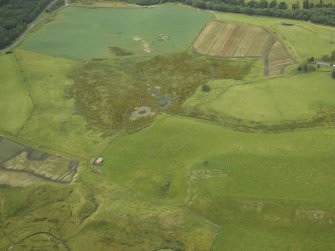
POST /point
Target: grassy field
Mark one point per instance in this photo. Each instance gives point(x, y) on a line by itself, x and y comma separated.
point(183, 142)
point(62, 128)
point(236, 172)
point(15, 104)
point(277, 100)
point(84, 33)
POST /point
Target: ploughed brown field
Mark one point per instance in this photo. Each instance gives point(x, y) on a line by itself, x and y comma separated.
point(234, 40)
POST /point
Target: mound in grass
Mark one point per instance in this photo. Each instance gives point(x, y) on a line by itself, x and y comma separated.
point(15, 104)
point(85, 33)
point(237, 40)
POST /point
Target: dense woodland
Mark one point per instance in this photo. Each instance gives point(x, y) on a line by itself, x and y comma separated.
point(319, 13)
point(15, 15)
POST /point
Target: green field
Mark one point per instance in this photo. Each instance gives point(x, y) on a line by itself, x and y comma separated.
point(84, 33)
point(200, 152)
point(295, 176)
point(63, 128)
point(278, 100)
point(15, 104)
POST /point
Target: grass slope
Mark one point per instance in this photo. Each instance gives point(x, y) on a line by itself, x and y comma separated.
point(256, 181)
point(85, 33)
point(15, 104)
point(277, 100)
point(136, 160)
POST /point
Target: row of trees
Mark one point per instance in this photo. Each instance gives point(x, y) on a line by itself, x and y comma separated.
point(15, 15)
point(318, 13)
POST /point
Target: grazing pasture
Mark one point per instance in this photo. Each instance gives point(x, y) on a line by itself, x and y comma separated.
point(48, 83)
point(303, 99)
point(86, 33)
point(15, 104)
point(222, 174)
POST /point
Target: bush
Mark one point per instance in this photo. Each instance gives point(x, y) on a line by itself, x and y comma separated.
point(306, 67)
point(205, 88)
point(333, 74)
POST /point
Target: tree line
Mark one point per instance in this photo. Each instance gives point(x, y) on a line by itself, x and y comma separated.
point(323, 13)
point(15, 15)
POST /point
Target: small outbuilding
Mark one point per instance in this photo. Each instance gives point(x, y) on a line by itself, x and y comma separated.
point(324, 64)
point(98, 161)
